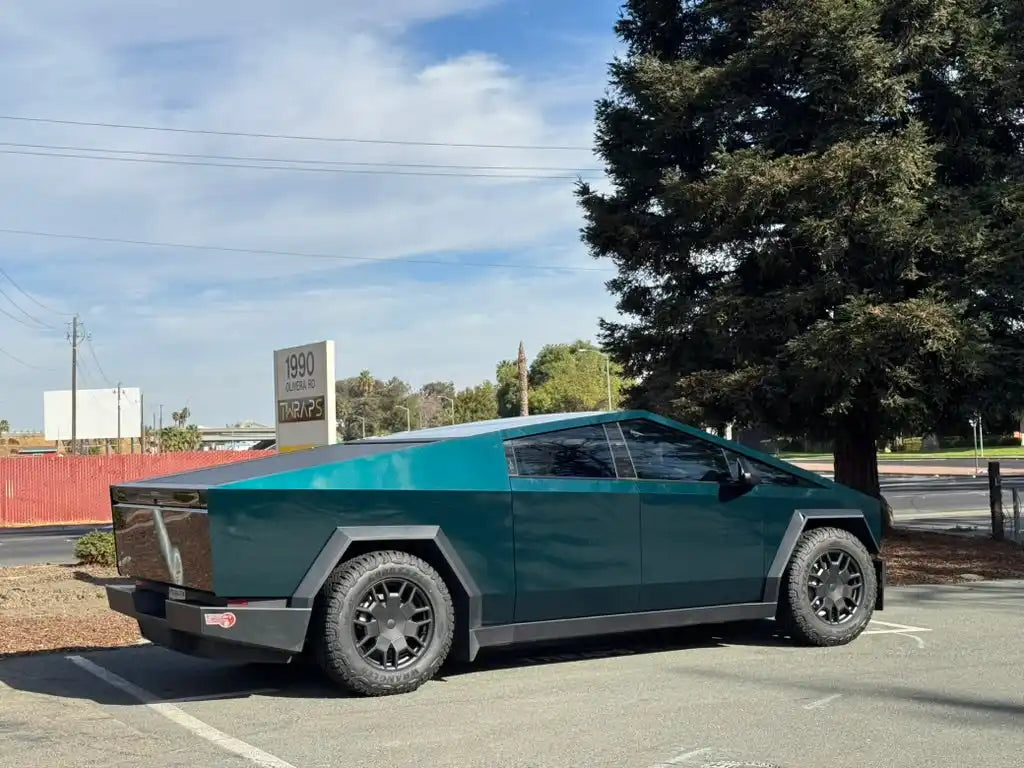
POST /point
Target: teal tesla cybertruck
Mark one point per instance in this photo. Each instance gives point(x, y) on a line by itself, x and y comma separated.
point(378, 559)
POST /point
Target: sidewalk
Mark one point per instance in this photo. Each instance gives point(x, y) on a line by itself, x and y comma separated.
point(892, 468)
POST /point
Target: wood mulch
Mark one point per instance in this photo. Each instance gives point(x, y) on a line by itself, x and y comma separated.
point(62, 607)
point(59, 607)
point(924, 557)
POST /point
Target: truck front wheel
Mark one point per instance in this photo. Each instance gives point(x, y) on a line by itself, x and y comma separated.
point(827, 595)
point(387, 623)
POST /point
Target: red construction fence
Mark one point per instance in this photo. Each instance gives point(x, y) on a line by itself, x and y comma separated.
point(54, 490)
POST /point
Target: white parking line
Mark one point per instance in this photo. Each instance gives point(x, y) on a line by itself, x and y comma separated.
point(895, 629)
point(823, 702)
point(179, 717)
point(682, 757)
point(916, 638)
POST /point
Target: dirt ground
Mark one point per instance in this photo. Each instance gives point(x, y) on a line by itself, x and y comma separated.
point(60, 607)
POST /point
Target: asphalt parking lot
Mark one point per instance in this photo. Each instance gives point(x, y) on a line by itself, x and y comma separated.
point(939, 683)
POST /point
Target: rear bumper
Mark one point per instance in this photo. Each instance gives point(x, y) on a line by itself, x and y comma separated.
point(268, 631)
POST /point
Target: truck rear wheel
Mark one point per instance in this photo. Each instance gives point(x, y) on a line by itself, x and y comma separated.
point(827, 595)
point(387, 623)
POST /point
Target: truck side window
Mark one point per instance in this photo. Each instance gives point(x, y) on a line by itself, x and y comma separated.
point(772, 476)
point(578, 452)
point(662, 453)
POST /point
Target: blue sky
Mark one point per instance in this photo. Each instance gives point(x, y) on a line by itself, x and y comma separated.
point(198, 327)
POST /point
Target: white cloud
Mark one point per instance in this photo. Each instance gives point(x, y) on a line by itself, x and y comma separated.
point(177, 323)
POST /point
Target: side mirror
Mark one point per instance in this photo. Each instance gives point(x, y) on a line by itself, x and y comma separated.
point(743, 474)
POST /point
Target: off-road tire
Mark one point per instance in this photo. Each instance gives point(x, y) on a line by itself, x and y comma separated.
point(334, 642)
point(795, 614)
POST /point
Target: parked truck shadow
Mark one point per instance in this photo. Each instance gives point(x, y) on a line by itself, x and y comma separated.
point(171, 676)
point(99, 581)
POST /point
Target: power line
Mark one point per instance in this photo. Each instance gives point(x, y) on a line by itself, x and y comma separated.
point(23, 311)
point(299, 161)
point(5, 353)
point(290, 254)
point(253, 166)
point(92, 353)
point(29, 296)
point(291, 137)
point(17, 319)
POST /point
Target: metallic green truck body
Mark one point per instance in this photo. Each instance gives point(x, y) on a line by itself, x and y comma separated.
point(229, 561)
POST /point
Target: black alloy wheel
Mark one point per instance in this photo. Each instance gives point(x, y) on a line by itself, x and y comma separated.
point(393, 624)
point(835, 586)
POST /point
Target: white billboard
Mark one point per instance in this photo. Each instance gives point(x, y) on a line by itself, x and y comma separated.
point(304, 396)
point(97, 414)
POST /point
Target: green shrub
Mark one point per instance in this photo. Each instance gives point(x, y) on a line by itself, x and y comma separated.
point(96, 548)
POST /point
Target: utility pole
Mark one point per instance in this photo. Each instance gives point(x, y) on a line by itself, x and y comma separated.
point(119, 417)
point(160, 433)
point(75, 338)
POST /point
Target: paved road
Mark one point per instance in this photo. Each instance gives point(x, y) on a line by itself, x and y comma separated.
point(928, 688)
point(960, 505)
point(982, 462)
point(20, 547)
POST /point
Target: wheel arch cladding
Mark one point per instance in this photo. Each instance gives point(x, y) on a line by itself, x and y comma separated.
point(427, 542)
point(851, 520)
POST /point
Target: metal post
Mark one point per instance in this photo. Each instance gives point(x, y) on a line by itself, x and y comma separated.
point(1016, 514)
point(974, 440)
point(981, 436)
point(408, 418)
point(160, 433)
point(995, 500)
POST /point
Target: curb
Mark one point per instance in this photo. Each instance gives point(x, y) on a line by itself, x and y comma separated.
point(55, 530)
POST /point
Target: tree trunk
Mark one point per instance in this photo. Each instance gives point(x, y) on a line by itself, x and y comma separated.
point(856, 463)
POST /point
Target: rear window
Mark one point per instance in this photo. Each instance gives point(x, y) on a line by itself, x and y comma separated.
point(579, 452)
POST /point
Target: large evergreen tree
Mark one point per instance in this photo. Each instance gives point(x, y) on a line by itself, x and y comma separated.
point(814, 213)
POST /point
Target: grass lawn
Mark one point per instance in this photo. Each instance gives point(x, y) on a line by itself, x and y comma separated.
point(1000, 452)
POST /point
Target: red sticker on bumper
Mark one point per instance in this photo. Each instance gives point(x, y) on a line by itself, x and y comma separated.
point(222, 620)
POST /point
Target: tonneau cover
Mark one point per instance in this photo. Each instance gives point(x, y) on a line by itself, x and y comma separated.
point(202, 479)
